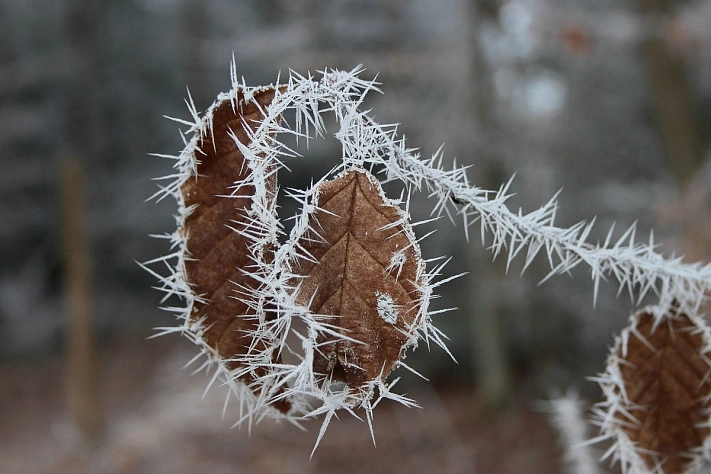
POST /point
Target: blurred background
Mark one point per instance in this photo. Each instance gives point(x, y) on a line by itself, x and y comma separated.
point(609, 101)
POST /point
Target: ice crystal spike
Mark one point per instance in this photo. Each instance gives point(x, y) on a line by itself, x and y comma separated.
point(658, 393)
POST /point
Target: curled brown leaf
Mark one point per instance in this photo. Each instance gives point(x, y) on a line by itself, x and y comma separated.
point(665, 372)
point(220, 256)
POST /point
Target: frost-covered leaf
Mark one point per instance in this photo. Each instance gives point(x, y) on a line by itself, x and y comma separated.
point(363, 269)
point(224, 241)
point(657, 387)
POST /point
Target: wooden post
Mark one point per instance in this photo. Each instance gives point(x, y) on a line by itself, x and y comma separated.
point(80, 353)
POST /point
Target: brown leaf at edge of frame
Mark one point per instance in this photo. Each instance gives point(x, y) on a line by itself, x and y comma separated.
point(667, 389)
point(368, 276)
point(218, 254)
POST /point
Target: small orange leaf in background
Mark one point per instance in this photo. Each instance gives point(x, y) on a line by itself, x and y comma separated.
point(219, 255)
point(366, 272)
point(576, 39)
point(665, 373)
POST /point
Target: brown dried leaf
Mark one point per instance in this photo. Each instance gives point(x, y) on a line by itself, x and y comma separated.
point(218, 253)
point(368, 275)
point(666, 380)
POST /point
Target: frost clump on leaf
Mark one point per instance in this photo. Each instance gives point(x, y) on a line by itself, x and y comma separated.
point(386, 307)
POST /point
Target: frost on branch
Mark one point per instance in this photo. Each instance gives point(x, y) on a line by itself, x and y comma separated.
point(567, 417)
point(243, 290)
point(362, 305)
point(658, 393)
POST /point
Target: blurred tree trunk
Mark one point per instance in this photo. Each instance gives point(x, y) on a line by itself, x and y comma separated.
point(679, 124)
point(194, 20)
point(83, 93)
point(81, 358)
point(487, 316)
point(82, 24)
point(674, 105)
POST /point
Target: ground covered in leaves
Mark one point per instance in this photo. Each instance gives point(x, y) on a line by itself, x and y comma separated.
point(156, 421)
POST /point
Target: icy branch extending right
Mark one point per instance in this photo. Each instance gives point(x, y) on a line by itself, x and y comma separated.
point(350, 272)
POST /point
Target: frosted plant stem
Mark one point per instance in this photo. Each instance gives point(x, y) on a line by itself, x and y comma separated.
point(367, 145)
